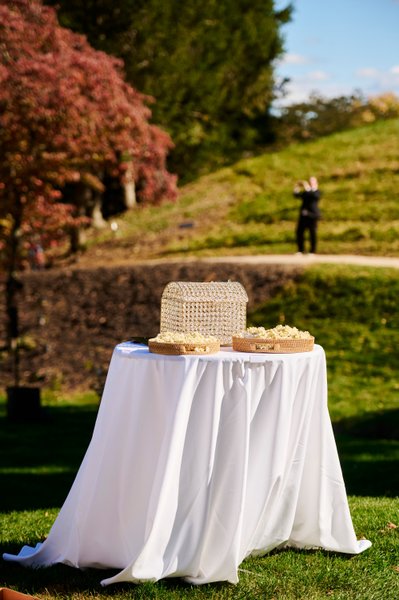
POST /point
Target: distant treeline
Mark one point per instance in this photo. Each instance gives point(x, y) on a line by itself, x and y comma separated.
point(321, 116)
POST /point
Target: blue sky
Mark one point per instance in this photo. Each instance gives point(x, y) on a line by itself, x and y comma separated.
point(335, 47)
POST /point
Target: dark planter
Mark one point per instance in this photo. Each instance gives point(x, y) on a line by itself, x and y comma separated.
point(23, 404)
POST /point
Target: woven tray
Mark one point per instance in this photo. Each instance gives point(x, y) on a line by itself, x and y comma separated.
point(273, 346)
point(183, 348)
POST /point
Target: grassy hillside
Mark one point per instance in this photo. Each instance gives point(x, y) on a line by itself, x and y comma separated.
point(249, 207)
point(353, 313)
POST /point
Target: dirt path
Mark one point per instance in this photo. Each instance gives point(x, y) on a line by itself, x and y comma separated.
point(290, 259)
point(304, 259)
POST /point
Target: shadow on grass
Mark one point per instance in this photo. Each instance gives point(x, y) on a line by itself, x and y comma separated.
point(61, 581)
point(39, 461)
point(368, 447)
point(370, 467)
point(382, 425)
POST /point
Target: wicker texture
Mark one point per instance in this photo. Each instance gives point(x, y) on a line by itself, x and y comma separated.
point(211, 308)
point(183, 348)
point(272, 345)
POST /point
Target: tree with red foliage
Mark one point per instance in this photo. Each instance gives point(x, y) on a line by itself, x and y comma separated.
point(66, 115)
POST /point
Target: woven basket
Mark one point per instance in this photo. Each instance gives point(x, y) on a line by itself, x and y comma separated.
point(183, 348)
point(272, 346)
point(216, 308)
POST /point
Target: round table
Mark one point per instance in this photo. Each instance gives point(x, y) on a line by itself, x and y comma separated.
point(199, 461)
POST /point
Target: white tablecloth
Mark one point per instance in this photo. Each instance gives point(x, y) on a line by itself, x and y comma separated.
point(199, 461)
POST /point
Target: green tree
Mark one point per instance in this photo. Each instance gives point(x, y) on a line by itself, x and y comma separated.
point(209, 65)
point(319, 116)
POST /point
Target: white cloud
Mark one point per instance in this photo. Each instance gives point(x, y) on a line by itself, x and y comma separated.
point(367, 72)
point(368, 80)
point(380, 81)
point(294, 59)
point(318, 76)
point(299, 89)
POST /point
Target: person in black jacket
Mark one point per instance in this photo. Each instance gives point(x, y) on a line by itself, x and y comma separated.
point(309, 214)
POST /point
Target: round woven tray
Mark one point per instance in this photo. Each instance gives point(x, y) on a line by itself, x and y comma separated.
point(183, 348)
point(273, 346)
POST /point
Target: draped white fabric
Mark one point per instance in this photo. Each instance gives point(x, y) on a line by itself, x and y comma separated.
point(199, 461)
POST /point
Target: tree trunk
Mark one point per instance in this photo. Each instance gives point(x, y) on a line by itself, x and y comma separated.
point(129, 188)
point(77, 239)
point(97, 219)
point(13, 285)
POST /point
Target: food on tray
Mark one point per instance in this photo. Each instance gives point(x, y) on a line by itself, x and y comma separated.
point(173, 342)
point(280, 332)
point(282, 339)
point(176, 337)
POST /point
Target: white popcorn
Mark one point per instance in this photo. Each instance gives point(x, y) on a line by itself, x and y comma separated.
point(176, 337)
point(277, 333)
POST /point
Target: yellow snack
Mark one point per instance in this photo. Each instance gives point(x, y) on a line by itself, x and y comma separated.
point(277, 333)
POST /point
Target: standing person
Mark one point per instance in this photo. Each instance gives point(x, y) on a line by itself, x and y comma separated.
point(36, 255)
point(309, 214)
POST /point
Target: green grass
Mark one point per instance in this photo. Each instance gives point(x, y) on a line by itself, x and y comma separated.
point(43, 458)
point(353, 313)
point(249, 207)
point(284, 574)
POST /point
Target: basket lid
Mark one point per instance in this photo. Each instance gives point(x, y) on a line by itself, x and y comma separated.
point(192, 291)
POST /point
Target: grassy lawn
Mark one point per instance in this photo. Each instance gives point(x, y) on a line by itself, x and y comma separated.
point(249, 208)
point(354, 315)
